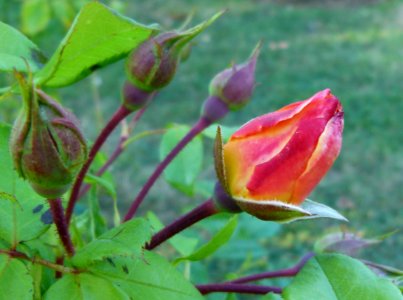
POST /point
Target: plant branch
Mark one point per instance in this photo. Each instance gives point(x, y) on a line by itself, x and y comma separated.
point(275, 274)
point(56, 207)
point(237, 288)
point(198, 127)
point(199, 213)
point(118, 116)
point(40, 261)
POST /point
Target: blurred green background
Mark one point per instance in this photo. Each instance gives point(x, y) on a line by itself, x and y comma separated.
point(353, 47)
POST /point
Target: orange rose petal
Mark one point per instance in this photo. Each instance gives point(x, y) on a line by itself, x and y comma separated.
point(326, 152)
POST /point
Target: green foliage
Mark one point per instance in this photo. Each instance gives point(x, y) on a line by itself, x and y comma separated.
point(183, 244)
point(15, 279)
point(124, 240)
point(147, 277)
point(23, 214)
point(35, 16)
point(84, 286)
point(217, 241)
point(98, 37)
point(184, 169)
point(335, 276)
point(109, 187)
point(17, 51)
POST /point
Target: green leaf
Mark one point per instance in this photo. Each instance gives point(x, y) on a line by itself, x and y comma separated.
point(184, 169)
point(17, 51)
point(35, 16)
point(149, 277)
point(99, 36)
point(221, 238)
point(127, 239)
point(104, 183)
point(110, 189)
point(84, 287)
point(339, 277)
point(271, 210)
point(97, 222)
point(24, 215)
point(271, 296)
point(15, 280)
point(184, 245)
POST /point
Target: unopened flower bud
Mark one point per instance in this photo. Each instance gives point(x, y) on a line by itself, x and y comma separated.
point(234, 86)
point(46, 143)
point(272, 163)
point(133, 97)
point(153, 64)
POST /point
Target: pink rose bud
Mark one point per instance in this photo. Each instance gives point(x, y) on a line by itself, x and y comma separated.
point(280, 157)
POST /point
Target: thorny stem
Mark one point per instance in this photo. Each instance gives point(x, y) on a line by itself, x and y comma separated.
point(237, 288)
point(56, 207)
point(199, 213)
point(122, 144)
point(118, 116)
point(199, 126)
point(275, 274)
point(40, 261)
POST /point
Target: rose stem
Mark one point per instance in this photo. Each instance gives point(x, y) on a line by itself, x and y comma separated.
point(199, 213)
point(237, 288)
point(198, 127)
point(118, 116)
point(118, 150)
point(275, 274)
point(40, 261)
point(56, 208)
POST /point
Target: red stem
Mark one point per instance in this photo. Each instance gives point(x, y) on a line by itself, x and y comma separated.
point(200, 125)
point(237, 288)
point(199, 213)
point(118, 116)
point(275, 274)
point(56, 208)
point(118, 150)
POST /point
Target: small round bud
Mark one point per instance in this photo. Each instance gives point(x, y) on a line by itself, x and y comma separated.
point(152, 65)
point(133, 97)
point(234, 86)
point(46, 144)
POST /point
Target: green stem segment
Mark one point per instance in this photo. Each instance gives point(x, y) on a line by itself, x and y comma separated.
point(199, 213)
point(121, 113)
point(198, 127)
point(40, 261)
point(56, 207)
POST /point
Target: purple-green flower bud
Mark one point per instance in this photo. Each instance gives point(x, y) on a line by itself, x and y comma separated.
point(234, 86)
point(133, 97)
point(46, 144)
point(152, 65)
